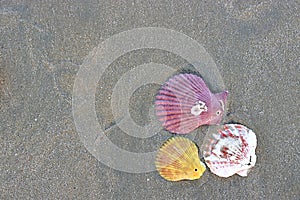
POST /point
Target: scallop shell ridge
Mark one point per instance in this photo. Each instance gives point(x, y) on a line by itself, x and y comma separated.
point(178, 159)
point(180, 101)
point(230, 151)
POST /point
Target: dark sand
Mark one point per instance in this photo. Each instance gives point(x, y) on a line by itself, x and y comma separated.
point(255, 46)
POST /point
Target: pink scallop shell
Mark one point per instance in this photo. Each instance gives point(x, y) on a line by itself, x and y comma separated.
point(230, 150)
point(184, 103)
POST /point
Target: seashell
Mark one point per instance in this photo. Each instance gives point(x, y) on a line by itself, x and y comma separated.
point(178, 159)
point(230, 150)
point(184, 103)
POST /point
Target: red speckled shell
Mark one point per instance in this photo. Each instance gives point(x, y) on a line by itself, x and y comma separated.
point(230, 150)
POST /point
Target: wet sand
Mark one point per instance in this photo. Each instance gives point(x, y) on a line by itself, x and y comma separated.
point(43, 45)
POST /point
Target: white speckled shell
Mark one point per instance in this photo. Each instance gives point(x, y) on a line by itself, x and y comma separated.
point(230, 150)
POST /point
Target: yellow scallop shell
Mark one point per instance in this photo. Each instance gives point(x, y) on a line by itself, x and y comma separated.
point(178, 159)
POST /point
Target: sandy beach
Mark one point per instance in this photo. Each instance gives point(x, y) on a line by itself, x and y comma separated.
point(75, 79)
